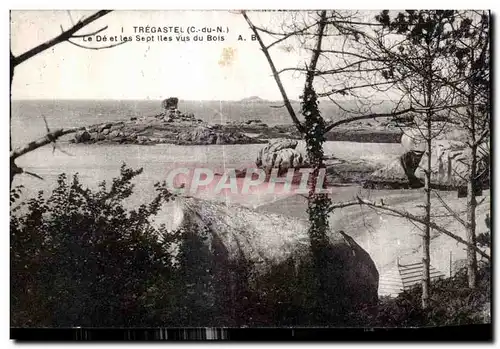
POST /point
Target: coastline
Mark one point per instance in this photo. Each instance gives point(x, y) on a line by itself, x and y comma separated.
point(174, 127)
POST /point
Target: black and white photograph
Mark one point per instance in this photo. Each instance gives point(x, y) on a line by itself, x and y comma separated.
point(218, 169)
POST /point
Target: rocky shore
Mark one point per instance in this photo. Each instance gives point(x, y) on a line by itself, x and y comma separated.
point(184, 131)
point(283, 152)
point(163, 129)
point(174, 127)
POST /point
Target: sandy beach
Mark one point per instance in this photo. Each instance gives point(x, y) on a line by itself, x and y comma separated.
point(388, 238)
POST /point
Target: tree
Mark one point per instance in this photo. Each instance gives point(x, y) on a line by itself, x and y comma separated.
point(468, 49)
point(406, 54)
point(69, 36)
point(315, 34)
point(414, 42)
point(458, 44)
point(461, 75)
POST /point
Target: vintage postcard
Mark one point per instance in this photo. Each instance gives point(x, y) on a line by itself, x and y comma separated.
point(239, 169)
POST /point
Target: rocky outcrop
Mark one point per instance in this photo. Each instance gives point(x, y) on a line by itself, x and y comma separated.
point(205, 135)
point(281, 154)
point(232, 235)
point(400, 173)
point(409, 162)
point(253, 123)
point(176, 127)
point(171, 126)
point(392, 176)
point(83, 136)
point(155, 130)
point(450, 162)
point(170, 104)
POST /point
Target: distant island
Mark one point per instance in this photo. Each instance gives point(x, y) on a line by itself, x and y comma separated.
point(254, 99)
point(257, 99)
point(172, 126)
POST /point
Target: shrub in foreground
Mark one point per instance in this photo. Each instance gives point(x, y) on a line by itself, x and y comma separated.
point(79, 258)
point(452, 303)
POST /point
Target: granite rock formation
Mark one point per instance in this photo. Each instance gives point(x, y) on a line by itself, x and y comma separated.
point(233, 235)
point(281, 154)
point(171, 126)
point(449, 162)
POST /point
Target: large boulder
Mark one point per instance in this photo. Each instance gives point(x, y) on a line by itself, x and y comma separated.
point(232, 236)
point(170, 104)
point(450, 158)
point(399, 173)
point(450, 162)
point(281, 154)
point(413, 138)
point(409, 162)
point(392, 176)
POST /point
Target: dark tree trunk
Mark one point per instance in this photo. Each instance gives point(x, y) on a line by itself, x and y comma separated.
point(318, 203)
point(426, 238)
point(472, 188)
point(471, 220)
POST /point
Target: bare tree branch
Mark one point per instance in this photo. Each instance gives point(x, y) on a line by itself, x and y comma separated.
point(452, 212)
point(48, 138)
point(51, 137)
point(316, 52)
point(90, 34)
point(365, 117)
point(407, 215)
point(482, 136)
point(96, 48)
point(64, 36)
point(433, 225)
point(284, 95)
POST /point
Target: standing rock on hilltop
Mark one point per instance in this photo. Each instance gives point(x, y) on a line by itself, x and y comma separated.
point(170, 104)
point(170, 126)
point(82, 137)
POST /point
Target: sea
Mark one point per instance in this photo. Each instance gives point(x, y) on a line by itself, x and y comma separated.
point(96, 162)
point(384, 237)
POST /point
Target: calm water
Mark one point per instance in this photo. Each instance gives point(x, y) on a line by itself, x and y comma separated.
point(28, 116)
point(95, 163)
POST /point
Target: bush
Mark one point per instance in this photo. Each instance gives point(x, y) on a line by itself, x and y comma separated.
point(79, 258)
point(451, 303)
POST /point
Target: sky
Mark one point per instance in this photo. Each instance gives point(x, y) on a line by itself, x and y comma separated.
point(215, 70)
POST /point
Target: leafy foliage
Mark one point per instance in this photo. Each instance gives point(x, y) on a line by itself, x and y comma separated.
point(484, 239)
point(15, 193)
point(80, 258)
point(452, 303)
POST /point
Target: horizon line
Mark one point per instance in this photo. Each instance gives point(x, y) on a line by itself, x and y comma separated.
point(145, 99)
point(245, 99)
